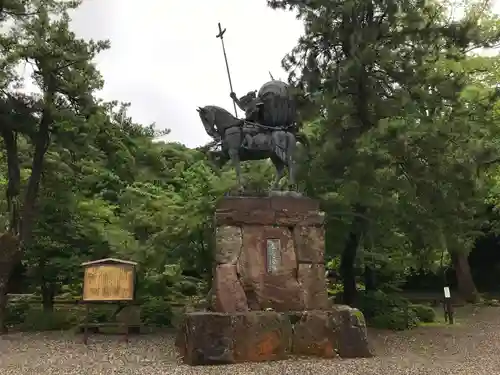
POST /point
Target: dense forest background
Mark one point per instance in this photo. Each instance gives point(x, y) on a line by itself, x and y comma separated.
point(401, 104)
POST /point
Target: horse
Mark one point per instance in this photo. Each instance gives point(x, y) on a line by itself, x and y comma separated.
point(277, 144)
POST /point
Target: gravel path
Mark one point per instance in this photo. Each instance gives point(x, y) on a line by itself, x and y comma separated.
point(470, 348)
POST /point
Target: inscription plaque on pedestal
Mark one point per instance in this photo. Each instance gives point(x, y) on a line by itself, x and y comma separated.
point(273, 254)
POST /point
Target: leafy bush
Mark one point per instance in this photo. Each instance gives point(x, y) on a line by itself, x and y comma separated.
point(187, 287)
point(395, 319)
point(425, 314)
point(101, 314)
point(157, 312)
point(39, 320)
point(387, 311)
point(16, 313)
point(379, 303)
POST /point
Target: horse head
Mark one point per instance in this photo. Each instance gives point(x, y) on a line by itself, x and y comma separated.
point(216, 120)
point(207, 116)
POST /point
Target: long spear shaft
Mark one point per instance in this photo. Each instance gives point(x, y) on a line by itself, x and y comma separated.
point(221, 36)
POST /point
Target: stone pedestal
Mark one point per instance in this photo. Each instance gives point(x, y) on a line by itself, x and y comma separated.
point(269, 297)
point(269, 254)
point(207, 338)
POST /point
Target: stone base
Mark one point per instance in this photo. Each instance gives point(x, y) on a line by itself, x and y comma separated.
point(269, 253)
point(208, 338)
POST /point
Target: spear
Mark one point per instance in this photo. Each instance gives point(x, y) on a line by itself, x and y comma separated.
point(221, 36)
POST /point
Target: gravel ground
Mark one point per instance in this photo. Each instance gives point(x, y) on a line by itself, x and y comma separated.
point(469, 348)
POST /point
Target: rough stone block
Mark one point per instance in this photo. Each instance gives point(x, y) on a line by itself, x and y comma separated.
point(244, 204)
point(245, 225)
point(261, 336)
point(206, 339)
point(251, 263)
point(281, 292)
point(235, 217)
point(309, 244)
point(291, 218)
point(216, 338)
point(229, 294)
point(286, 211)
point(228, 244)
point(312, 279)
point(294, 204)
point(351, 332)
point(314, 335)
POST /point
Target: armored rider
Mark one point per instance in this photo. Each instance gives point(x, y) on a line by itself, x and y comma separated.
point(250, 104)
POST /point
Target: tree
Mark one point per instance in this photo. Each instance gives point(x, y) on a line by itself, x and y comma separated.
point(376, 67)
point(64, 73)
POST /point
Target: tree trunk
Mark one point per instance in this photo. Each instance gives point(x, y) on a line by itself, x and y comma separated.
point(347, 269)
point(465, 283)
point(370, 284)
point(21, 219)
point(9, 254)
point(48, 293)
point(348, 257)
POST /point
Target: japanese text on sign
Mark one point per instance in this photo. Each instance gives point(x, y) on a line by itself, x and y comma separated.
point(110, 282)
point(273, 253)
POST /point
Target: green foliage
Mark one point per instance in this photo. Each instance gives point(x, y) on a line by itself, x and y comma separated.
point(425, 314)
point(395, 319)
point(156, 312)
point(40, 320)
point(16, 313)
point(405, 148)
point(101, 313)
point(387, 311)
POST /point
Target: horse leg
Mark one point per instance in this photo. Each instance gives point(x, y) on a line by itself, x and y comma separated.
point(234, 154)
point(283, 148)
point(280, 171)
point(290, 160)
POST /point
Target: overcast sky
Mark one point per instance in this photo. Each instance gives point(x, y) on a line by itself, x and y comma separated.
point(166, 60)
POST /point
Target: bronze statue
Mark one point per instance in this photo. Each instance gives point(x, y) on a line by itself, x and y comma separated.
point(269, 130)
point(251, 105)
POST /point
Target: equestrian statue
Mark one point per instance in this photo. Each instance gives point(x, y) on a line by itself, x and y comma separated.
point(269, 130)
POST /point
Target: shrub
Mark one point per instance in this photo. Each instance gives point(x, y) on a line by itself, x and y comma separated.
point(157, 312)
point(101, 314)
point(425, 314)
point(396, 319)
point(378, 303)
point(39, 320)
point(187, 287)
point(16, 313)
point(387, 311)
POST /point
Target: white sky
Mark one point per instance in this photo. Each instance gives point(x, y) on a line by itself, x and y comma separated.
point(166, 60)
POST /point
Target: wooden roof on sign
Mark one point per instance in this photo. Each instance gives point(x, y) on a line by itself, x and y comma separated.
point(108, 261)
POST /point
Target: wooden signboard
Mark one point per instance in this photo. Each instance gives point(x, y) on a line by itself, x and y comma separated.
point(109, 280)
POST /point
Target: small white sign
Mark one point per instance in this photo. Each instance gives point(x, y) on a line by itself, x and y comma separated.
point(447, 292)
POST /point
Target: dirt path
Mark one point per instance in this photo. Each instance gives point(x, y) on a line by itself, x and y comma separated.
point(470, 348)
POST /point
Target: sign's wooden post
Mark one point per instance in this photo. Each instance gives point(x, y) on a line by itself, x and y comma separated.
point(108, 281)
point(448, 307)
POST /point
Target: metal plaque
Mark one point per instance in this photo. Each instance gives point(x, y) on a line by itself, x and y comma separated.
point(273, 255)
